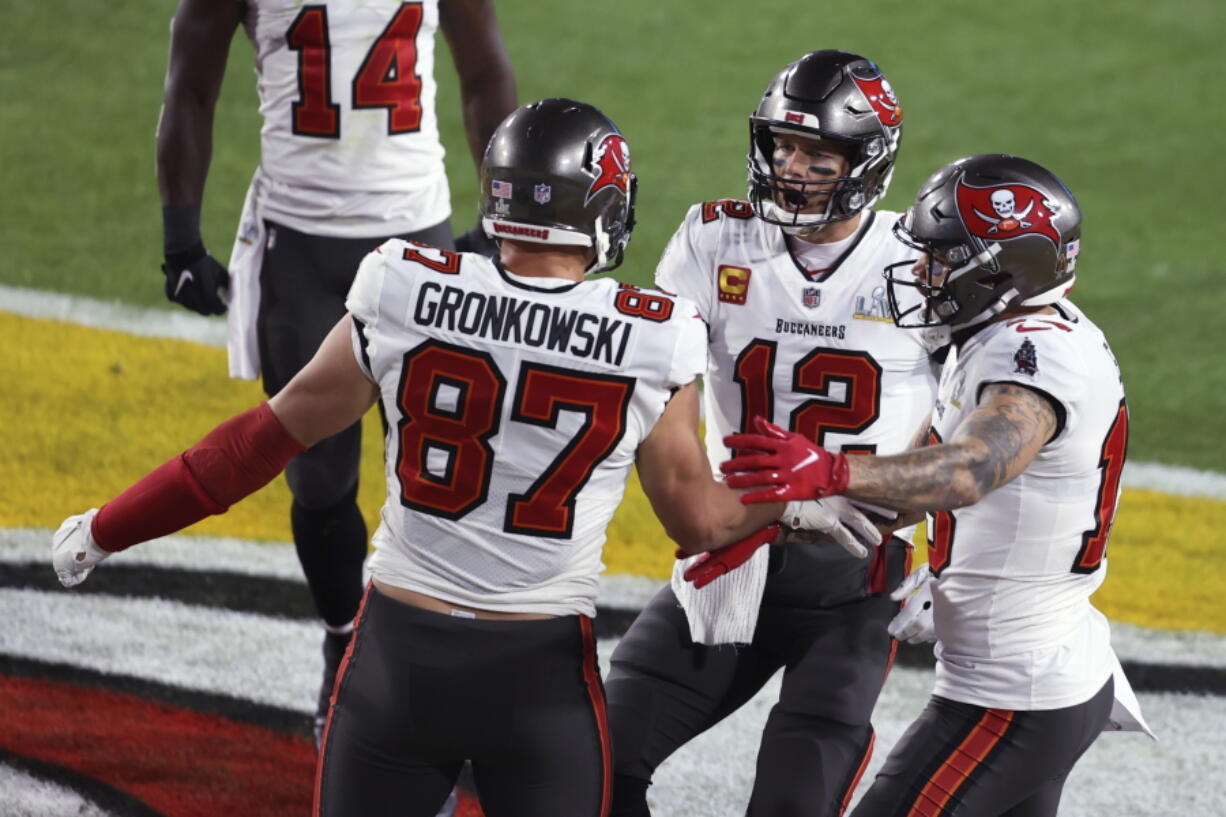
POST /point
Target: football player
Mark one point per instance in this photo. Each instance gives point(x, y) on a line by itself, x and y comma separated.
point(790, 285)
point(349, 156)
point(1020, 484)
point(517, 395)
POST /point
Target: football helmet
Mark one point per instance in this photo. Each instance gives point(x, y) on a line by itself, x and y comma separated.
point(558, 171)
point(832, 95)
point(996, 231)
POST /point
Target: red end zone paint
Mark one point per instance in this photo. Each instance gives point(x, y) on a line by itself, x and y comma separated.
point(181, 763)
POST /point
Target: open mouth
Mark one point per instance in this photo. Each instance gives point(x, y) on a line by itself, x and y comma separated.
point(794, 201)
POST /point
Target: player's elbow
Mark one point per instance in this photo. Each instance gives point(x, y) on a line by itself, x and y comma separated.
point(692, 534)
point(962, 492)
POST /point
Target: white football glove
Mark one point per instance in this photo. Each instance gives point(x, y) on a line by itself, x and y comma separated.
point(835, 517)
point(913, 623)
point(73, 550)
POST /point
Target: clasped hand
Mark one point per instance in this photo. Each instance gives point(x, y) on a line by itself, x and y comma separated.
point(784, 465)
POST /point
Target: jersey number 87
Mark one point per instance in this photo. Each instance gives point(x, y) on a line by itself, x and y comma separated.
point(451, 401)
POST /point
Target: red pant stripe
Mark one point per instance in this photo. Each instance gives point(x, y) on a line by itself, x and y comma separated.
point(595, 692)
point(953, 773)
point(855, 780)
point(340, 674)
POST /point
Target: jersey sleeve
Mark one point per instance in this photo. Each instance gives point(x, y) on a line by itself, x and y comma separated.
point(362, 303)
point(690, 356)
point(1042, 355)
point(684, 268)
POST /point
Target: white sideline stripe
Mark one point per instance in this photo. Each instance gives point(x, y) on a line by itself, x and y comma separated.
point(144, 321)
point(1174, 480)
point(179, 324)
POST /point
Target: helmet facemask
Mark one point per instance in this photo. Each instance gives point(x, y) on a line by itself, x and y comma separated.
point(837, 97)
point(969, 287)
point(870, 168)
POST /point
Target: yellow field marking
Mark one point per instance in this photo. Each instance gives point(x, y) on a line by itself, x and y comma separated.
point(87, 411)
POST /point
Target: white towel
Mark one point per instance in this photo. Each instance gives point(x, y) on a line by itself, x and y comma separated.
point(245, 261)
point(1125, 709)
point(726, 610)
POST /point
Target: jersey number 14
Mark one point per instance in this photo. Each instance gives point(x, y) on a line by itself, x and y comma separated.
point(387, 77)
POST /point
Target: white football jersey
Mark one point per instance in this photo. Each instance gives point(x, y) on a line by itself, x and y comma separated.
point(1015, 571)
point(350, 144)
point(815, 354)
point(514, 409)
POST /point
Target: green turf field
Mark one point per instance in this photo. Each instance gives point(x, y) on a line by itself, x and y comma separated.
point(1120, 99)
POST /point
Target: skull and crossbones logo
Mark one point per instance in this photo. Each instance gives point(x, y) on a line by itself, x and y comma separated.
point(1004, 202)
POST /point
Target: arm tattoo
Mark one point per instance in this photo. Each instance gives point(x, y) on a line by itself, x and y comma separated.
point(991, 446)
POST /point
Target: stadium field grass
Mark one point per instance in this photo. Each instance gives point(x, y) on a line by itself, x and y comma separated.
point(130, 403)
point(1116, 98)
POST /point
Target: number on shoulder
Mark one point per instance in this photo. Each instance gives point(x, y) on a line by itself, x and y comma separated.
point(732, 208)
point(653, 305)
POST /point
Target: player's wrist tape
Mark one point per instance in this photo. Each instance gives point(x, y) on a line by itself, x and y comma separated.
point(234, 460)
point(180, 229)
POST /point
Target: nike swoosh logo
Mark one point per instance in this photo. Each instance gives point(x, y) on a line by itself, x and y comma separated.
point(809, 459)
point(185, 277)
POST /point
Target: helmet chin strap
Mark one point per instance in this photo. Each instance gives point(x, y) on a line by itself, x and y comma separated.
point(988, 255)
point(601, 244)
point(1052, 295)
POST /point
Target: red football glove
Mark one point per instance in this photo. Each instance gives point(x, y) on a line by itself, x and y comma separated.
point(715, 563)
point(794, 467)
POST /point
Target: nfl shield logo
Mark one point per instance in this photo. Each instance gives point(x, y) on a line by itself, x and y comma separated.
point(541, 193)
point(811, 297)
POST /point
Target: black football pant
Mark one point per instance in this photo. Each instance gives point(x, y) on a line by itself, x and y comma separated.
point(664, 689)
point(421, 691)
point(965, 760)
point(303, 283)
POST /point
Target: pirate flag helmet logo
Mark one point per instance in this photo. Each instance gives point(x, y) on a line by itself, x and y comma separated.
point(880, 94)
point(611, 162)
point(1006, 211)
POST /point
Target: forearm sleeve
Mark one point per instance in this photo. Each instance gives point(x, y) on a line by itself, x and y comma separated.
point(234, 460)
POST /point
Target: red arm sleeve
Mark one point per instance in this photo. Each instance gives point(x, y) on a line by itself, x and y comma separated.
point(234, 460)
